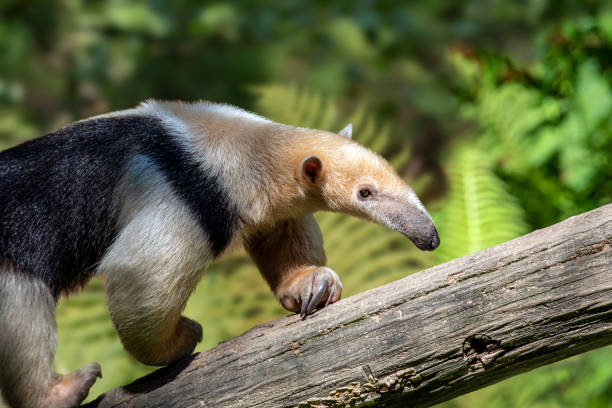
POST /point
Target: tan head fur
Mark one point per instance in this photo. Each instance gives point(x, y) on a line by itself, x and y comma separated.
point(270, 183)
point(351, 179)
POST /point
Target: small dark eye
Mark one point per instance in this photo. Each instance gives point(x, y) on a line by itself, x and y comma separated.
point(365, 193)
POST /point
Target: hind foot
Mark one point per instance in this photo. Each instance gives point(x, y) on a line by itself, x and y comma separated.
point(71, 389)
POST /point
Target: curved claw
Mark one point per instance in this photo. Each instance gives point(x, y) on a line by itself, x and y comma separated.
point(309, 289)
point(316, 299)
point(303, 312)
point(330, 297)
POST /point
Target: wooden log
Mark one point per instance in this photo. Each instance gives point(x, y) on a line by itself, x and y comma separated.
point(427, 338)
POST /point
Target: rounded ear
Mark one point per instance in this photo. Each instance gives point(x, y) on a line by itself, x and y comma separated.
point(311, 168)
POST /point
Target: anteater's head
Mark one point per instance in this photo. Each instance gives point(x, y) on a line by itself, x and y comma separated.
point(346, 177)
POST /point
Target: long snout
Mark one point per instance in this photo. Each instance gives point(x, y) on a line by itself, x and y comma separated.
point(416, 225)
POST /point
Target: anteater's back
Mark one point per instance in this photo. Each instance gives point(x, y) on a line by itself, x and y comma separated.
point(56, 196)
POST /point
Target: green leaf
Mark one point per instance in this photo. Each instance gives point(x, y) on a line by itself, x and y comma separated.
point(479, 212)
point(136, 16)
point(593, 96)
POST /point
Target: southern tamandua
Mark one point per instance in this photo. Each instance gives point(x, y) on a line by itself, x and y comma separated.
point(148, 197)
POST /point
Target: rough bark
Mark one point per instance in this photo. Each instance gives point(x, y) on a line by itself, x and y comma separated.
point(427, 338)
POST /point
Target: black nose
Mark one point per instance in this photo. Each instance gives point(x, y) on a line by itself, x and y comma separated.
point(431, 242)
point(428, 244)
point(434, 242)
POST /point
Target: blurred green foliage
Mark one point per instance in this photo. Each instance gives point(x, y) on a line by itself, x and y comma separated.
point(499, 113)
point(478, 211)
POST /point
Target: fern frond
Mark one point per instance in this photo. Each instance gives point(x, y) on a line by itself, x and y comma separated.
point(480, 212)
point(510, 114)
point(300, 107)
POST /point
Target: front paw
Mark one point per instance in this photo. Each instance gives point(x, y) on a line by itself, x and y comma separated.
point(308, 289)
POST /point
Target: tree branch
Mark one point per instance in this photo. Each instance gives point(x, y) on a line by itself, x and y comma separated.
point(427, 338)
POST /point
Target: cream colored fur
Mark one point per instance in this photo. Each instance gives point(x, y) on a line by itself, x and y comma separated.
point(258, 163)
point(258, 160)
point(27, 338)
point(27, 347)
point(153, 266)
point(160, 253)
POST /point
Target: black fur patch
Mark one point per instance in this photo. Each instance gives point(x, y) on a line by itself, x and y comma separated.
point(57, 215)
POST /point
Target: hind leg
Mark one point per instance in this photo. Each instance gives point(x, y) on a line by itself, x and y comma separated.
point(151, 269)
point(27, 347)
